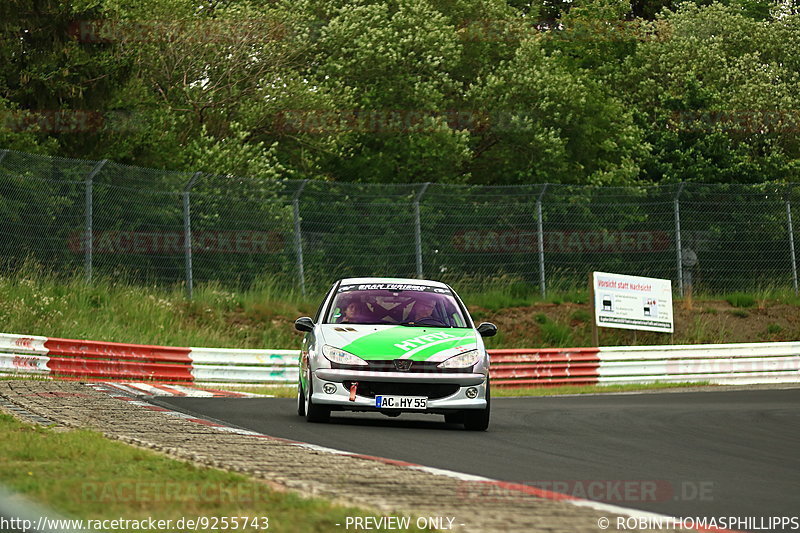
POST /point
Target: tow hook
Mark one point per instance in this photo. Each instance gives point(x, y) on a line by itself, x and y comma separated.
point(353, 389)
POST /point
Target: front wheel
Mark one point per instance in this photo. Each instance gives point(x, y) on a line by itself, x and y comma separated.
point(314, 412)
point(301, 400)
point(478, 419)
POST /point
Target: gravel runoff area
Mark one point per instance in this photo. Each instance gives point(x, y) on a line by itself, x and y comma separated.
point(383, 487)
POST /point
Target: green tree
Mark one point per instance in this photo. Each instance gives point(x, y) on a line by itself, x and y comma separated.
point(717, 94)
point(393, 62)
point(58, 82)
point(547, 122)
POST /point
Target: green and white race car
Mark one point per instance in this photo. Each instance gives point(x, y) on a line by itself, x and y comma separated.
point(391, 346)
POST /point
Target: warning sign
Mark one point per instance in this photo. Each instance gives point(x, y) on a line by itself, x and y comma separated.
point(632, 302)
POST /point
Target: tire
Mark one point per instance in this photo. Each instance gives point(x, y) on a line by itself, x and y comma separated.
point(301, 400)
point(478, 420)
point(314, 412)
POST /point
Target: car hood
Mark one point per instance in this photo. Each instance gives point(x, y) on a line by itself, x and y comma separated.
point(381, 343)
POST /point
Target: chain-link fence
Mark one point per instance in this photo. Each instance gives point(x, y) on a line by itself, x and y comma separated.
point(158, 226)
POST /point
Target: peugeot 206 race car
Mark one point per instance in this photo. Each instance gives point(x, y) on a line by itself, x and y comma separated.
point(393, 346)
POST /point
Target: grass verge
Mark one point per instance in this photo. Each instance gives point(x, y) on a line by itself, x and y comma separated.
point(37, 303)
point(83, 475)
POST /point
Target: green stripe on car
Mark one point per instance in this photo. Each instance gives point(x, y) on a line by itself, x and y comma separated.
point(418, 344)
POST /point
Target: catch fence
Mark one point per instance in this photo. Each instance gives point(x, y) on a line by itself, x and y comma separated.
point(104, 218)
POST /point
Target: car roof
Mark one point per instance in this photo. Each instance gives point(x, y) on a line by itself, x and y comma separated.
point(407, 281)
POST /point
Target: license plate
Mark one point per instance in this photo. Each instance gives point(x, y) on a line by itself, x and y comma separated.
point(401, 402)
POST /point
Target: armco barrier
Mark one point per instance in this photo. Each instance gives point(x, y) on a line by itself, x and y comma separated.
point(244, 366)
point(775, 362)
point(746, 363)
point(76, 359)
point(550, 367)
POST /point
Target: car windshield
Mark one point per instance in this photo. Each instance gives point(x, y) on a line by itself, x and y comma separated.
point(403, 304)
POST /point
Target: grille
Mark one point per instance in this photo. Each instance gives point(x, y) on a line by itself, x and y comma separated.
point(433, 391)
point(416, 366)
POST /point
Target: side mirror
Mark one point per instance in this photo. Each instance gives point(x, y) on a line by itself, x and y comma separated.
point(487, 329)
point(304, 324)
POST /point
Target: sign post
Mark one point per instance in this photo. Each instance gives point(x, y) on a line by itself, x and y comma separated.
point(595, 332)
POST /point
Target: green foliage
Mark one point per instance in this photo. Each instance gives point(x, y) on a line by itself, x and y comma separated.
point(233, 153)
point(788, 298)
point(741, 299)
point(496, 294)
point(717, 89)
point(581, 316)
point(555, 334)
point(38, 302)
point(551, 123)
point(596, 92)
point(19, 130)
point(774, 329)
point(575, 296)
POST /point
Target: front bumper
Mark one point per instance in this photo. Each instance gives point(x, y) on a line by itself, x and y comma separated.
point(340, 399)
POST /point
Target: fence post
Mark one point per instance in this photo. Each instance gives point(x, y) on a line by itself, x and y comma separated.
point(678, 245)
point(791, 239)
point(88, 241)
point(187, 234)
point(540, 238)
point(418, 228)
point(298, 237)
point(3, 155)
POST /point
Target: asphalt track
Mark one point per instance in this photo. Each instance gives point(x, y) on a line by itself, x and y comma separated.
point(694, 454)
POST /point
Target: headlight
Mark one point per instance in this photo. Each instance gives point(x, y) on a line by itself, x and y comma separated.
point(335, 355)
point(462, 360)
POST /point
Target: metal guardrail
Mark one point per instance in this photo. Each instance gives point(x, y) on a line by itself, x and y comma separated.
point(545, 367)
point(244, 366)
point(775, 362)
point(745, 363)
point(79, 359)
